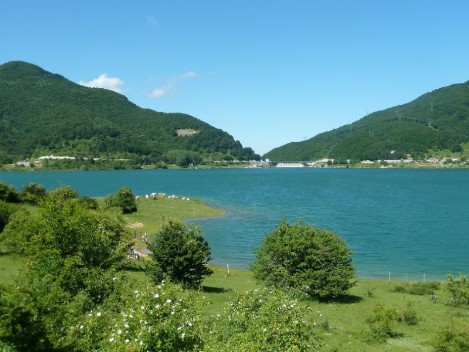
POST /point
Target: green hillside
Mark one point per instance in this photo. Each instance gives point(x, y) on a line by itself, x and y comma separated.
point(436, 121)
point(43, 113)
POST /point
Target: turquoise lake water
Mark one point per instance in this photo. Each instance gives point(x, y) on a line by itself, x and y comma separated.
point(410, 223)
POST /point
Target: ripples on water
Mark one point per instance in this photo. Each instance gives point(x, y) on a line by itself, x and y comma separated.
point(407, 222)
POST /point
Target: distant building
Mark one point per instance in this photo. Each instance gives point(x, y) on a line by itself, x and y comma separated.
point(290, 165)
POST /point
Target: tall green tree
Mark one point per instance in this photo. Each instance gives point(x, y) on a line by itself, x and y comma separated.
point(123, 199)
point(301, 257)
point(6, 210)
point(179, 253)
point(8, 193)
point(74, 255)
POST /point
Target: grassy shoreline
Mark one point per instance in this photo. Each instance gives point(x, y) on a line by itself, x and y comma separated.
point(341, 326)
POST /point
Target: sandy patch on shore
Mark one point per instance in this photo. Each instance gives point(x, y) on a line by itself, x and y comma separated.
point(135, 225)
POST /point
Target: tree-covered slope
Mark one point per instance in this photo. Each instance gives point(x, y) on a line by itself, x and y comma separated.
point(43, 113)
point(435, 121)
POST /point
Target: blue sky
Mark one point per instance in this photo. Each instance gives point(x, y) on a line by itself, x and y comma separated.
point(267, 72)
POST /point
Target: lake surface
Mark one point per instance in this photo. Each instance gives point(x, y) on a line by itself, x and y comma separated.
point(410, 223)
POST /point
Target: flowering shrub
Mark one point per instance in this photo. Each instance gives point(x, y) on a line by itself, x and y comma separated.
point(262, 320)
point(155, 318)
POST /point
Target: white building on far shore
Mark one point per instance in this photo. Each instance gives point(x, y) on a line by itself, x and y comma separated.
point(290, 164)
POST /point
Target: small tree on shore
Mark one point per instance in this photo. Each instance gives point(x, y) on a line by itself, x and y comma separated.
point(179, 253)
point(123, 199)
point(303, 258)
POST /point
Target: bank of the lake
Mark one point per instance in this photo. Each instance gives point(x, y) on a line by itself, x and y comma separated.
point(409, 224)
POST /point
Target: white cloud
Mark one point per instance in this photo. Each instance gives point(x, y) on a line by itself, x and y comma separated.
point(152, 21)
point(104, 81)
point(190, 74)
point(169, 85)
point(156, 93)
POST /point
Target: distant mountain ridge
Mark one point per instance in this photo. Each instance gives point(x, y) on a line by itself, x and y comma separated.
point(42, 113)
point(435, 121)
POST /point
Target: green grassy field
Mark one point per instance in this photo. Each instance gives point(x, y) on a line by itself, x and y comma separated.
point(151, 213)
point(341, 326)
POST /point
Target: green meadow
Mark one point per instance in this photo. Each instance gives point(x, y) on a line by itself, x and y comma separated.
point(423, 307)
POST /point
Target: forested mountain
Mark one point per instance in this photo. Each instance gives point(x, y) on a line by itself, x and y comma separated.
point(435, 121)
point(43, 113)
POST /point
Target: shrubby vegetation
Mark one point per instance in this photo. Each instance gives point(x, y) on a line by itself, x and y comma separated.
point(263, 320)
point(303, 258)
point(33, 193)
point(450, 339)
point(417, 288)
point(8, 194)
point(6, 210)
point(74, 253)
point(149, 318)
point(179, 253)
point(124, 199)
point(383, 322)
point(458, 287)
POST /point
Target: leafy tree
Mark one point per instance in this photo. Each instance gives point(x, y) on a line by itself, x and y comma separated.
point(306, 259)
point(19, 230)
point(6, 210)
point(8, 193)
point(180, 253)
point(62, 194)
point(74, 254)
point(458, 288)
point(123, 199)
point(33, 193)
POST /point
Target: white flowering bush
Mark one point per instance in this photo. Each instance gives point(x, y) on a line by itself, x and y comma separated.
point(155, 318)
point(263, 320)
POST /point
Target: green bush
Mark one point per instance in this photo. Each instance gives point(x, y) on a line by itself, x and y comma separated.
point(310, 260)
point(180, 254)
point(63, 194)
point(74, 253)
point(8, 193)
point(417, 288)
point(123, 199)
point(6, 210)
point(458, 288)
point(263, 320)
point(383, 322)
point(451, 340)
point(33, 193)
point(151, 318)
point(408, 316)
